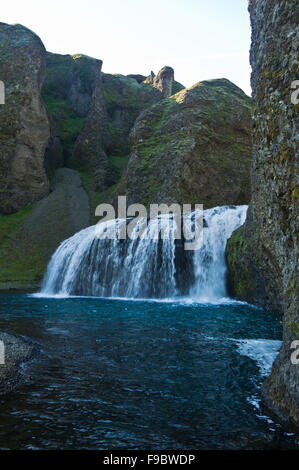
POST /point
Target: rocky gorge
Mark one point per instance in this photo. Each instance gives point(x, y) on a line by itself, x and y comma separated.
point(118, 135)
point(72, 136)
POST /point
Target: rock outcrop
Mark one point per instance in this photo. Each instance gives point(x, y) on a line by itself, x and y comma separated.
point(163, 81)
point(24, 124)
point(74, 98)
point(90, 149)
point(92, 114)
point(194, 147)
point(263, 255)
point(125, 99)
point(17, 351)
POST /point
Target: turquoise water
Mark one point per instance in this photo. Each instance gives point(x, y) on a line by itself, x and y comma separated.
point(140, 375)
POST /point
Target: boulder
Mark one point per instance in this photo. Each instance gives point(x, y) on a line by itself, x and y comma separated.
point(193, 147)
point(17, 351)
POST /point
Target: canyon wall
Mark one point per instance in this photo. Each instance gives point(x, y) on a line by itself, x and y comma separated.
point(24, 123)
point(263, 255)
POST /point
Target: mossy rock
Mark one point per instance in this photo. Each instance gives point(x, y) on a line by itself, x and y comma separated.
point(194, 147)
point(67, 92)
point(125, 99)
point(240, 279)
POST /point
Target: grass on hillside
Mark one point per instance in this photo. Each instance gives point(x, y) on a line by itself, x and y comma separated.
point(15, 263)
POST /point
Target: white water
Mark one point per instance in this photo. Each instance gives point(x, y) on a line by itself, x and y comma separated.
point(262, 351)
point(145, 267)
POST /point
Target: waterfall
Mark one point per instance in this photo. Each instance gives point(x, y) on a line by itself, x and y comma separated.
point(143, 267)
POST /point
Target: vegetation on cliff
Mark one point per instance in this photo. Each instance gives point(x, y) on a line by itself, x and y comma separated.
point(194, 147)
point(270, 236)
point(29, 237)
point(24, 125)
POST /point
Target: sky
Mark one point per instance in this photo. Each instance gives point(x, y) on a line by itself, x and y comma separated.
point(200, 39)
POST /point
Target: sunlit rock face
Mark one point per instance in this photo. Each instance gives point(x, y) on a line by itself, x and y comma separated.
point(24, 124)
point(163, 81)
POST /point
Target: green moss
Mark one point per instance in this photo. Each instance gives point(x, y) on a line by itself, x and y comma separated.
point(120, 91)
point(59, 72)
point(10, 224)
point(58, 75)
point(189, 129)
point(67, 122)
point(240, 278)
point(125, 98)
point(295, 194)
point(119, 162)
point(96, 197)
point(286, 152)
point(176, 87)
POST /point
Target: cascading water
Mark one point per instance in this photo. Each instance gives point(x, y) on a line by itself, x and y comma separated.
point(142, 266)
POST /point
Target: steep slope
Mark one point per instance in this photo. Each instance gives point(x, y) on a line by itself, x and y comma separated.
point(29, 237)
point(193, 147)
point(24, 124)
point(125, 98)
point(263, 255)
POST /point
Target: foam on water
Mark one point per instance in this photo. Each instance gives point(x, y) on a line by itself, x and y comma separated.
point(262, 351)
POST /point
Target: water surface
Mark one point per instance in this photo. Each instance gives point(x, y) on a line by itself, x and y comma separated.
point(140, 375)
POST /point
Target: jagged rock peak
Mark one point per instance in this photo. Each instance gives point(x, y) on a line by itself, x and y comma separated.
point(163, 81)
point(150, 78)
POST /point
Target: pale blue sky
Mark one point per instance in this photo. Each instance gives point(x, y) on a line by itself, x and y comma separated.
point(200, 39)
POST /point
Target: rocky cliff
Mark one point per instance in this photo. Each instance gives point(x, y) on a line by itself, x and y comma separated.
point(73, 95)
point(193, 147)
point(263, 255)
point(125, 99)
point(92, 114)
point(24, 124)
point(163, 81)
point(90, 149)
point(127, 96)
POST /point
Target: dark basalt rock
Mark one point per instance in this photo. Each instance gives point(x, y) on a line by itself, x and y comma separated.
point(18, 351)
point(262, 256)
point(24, 123)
